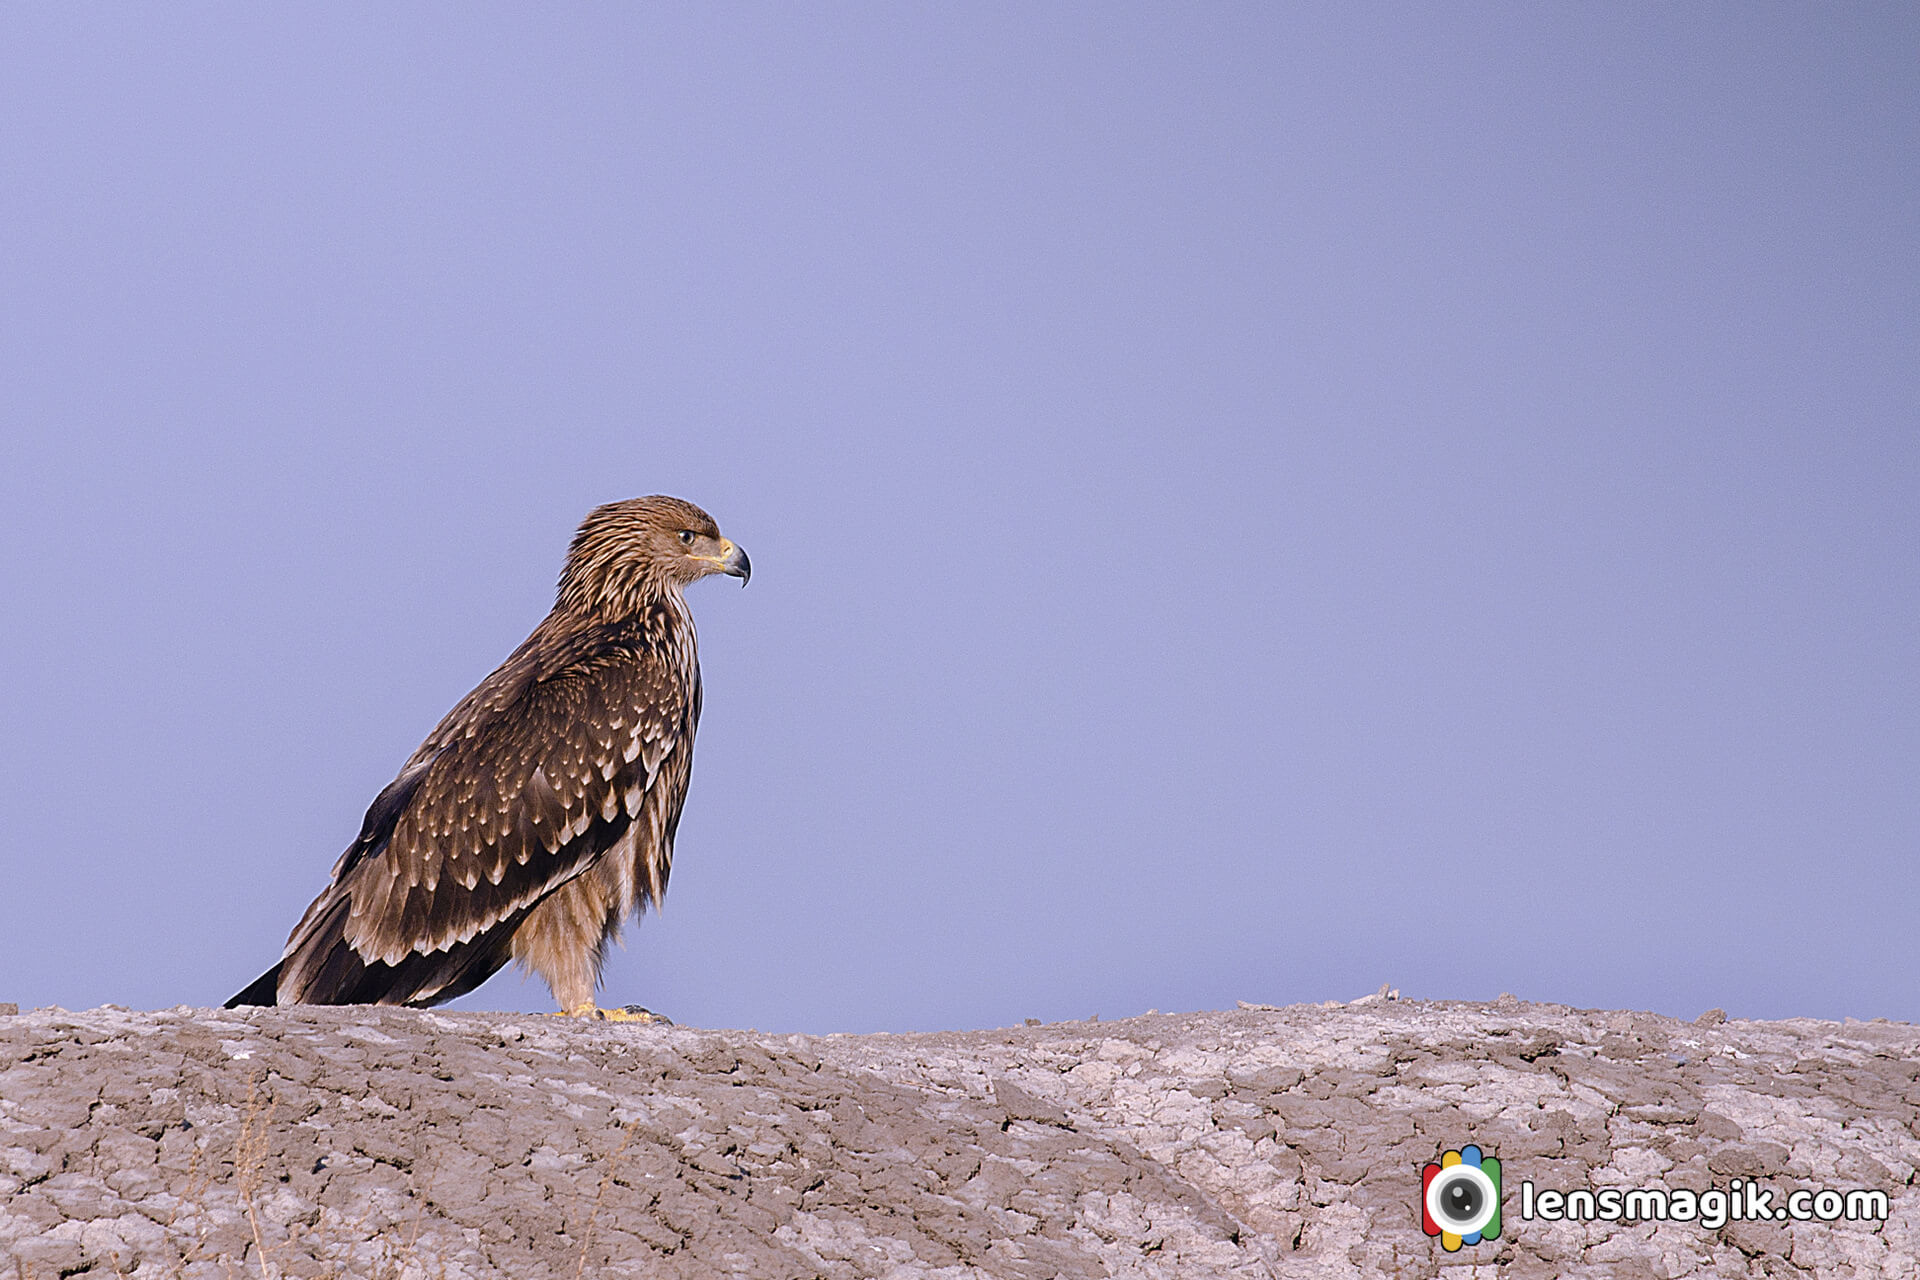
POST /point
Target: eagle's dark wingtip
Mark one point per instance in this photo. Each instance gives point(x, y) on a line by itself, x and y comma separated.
point(264, 989)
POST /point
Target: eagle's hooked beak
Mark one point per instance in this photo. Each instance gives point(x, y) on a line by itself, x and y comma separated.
point(734, 561)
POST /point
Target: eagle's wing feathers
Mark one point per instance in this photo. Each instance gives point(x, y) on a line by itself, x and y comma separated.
point(385, 810)
point(525, 785)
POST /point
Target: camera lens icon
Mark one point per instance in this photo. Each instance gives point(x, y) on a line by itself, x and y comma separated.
point(1460, 1198)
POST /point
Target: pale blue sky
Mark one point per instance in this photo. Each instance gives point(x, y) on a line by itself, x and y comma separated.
point(1246, 502)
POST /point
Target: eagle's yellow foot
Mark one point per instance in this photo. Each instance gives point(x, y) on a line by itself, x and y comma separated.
point(634, 1013)
point(625, 1013)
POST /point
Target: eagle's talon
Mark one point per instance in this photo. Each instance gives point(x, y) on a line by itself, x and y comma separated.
point(635, 1013)
point(625, 1013)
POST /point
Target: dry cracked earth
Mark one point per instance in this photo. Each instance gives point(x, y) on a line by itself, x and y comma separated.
point(1259, 1142)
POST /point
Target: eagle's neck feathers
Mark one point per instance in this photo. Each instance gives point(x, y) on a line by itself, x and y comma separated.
point(613, 588)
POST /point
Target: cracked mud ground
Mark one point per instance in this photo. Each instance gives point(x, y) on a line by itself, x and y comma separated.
point(383, 1142)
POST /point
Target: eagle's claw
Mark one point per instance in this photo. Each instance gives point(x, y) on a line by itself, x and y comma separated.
point(625, 1013)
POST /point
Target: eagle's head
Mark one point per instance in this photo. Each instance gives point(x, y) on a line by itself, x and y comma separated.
point(628, 553)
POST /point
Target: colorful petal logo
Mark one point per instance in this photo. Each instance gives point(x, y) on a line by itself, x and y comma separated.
point(1460, 1198)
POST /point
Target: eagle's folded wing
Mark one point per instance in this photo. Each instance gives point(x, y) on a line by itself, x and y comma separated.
point(522, 792)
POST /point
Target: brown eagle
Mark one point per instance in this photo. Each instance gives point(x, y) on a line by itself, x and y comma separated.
point(540, 814)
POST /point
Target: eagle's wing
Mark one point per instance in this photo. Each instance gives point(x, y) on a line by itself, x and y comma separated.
point(525, 785)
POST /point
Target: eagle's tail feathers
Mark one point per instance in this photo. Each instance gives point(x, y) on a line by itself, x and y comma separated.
point(264, 989)
point(325, 969)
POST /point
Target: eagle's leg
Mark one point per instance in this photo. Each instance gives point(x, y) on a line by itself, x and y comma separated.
point(565, 941)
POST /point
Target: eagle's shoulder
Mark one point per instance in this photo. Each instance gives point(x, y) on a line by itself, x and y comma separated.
point(568, 660)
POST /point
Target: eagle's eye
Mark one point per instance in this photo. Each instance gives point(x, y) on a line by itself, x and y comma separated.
point(686, 537)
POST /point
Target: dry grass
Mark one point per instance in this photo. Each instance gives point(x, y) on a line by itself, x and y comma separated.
point(190, 1222)
point(249, 1153)
point(606, 1180)
point(251, 1150)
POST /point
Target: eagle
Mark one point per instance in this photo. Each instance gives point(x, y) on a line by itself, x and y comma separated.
point(540, 814)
